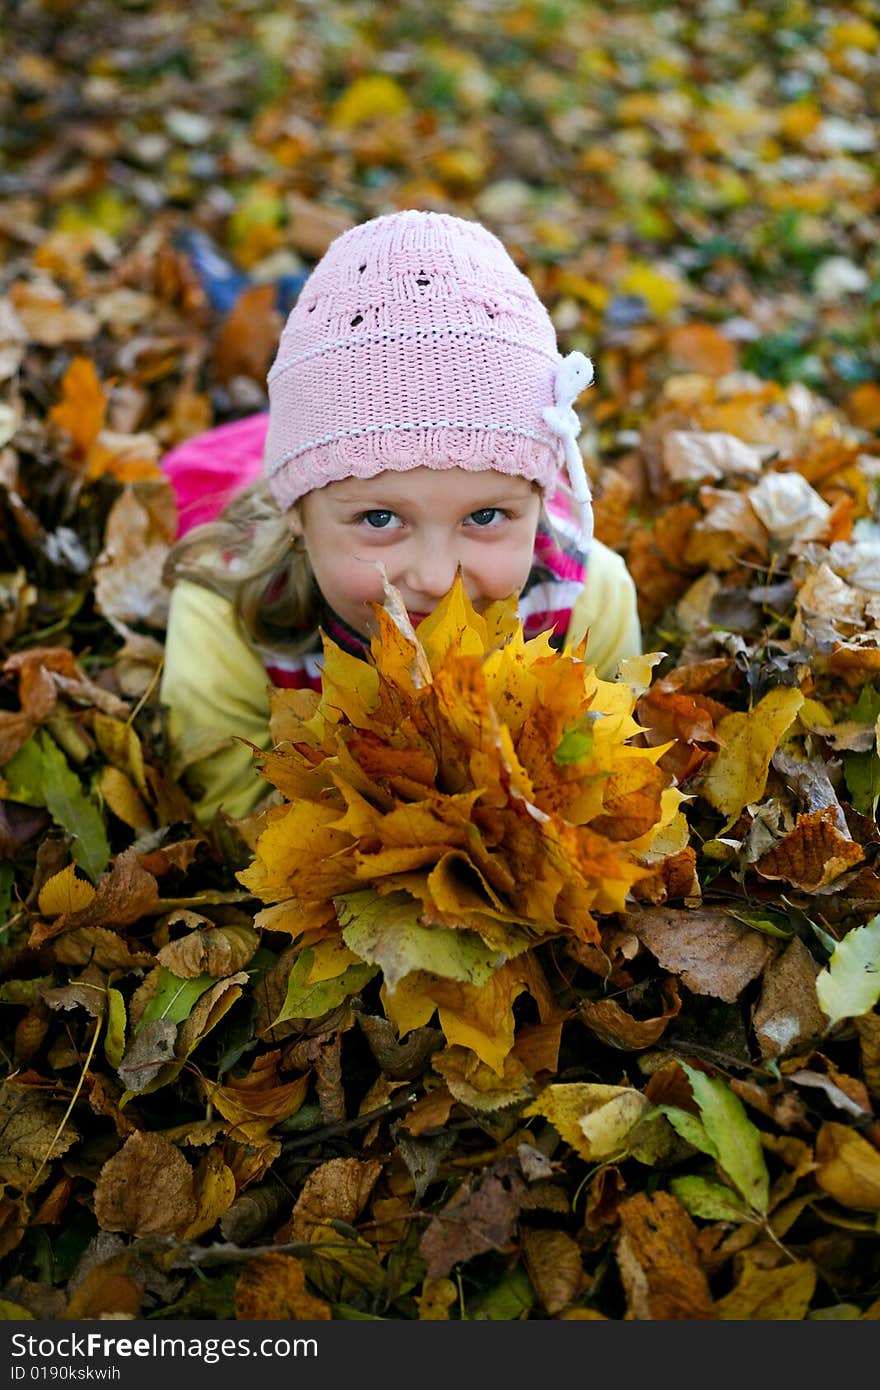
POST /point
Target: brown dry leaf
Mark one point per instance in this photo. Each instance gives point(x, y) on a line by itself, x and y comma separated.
point(674, 877)
point(658, 1258)
point(103, 947)
point(146, 1188)
point(29, 1125)
point(604, 1196)
point(140, 530)
point(54, 1204)
point(41, 309)
point(787, 1016)
point(324, 1055)
point(255, 1103)
point(273, 1288)
point(537, 1046)
point(252, 1211)
point(610, 1022)
point(109, 1288)
point(338, 1189)
point(479, 1217)
point(248, 337)
point(180, 856)
point(123, 895)
point(37, 692)
point(137, 663)
point(30, 1033)
point(712, 952)
point(132, 458)
point(250, 1165)
point(14, 1219)
point(431, 1112)
point(399, 1060)
point(87, 991)
point(868, 1029)
point(848, 1167)
point(611, 502)
point(781, 1294)
point(657, 582)
point(700, 347)
point(312, 226)
point(553, 1260)
point(813, 854)
point(216, 951)
point(208, 1011)
point(686, 720)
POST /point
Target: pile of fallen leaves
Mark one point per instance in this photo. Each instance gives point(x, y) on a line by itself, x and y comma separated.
point(535, 996)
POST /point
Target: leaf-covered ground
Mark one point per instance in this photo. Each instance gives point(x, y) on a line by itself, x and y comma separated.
point(680, 1122)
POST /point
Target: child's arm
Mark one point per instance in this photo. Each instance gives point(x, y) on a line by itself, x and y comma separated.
point(215, 686)
point(607, 608)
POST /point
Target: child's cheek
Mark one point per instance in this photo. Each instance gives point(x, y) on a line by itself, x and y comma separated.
point(506, 576)
point(358, 580)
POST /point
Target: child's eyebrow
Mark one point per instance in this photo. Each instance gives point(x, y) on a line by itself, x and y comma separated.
point(378, 501)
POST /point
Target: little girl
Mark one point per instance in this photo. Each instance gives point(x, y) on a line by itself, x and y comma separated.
point(419, 418)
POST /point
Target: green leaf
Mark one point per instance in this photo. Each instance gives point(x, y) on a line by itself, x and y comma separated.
point(576, 743)
point(709, 1199)
point(736, 1140)
point(306, 1000)
point(849, 986)
point(862, 774)
point(7, 879)
point(386, 931)
point(689, 1128)
point(760, 921)
point(40, 775)
point(866, 709)
point(25, 992)
point(24, 774)
point(114, 1037)
point(512, 1299)
point(174, 997)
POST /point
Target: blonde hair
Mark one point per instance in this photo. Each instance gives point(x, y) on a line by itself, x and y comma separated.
point(249, 556)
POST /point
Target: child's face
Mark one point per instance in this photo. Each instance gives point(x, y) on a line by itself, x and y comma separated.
point(421, 524)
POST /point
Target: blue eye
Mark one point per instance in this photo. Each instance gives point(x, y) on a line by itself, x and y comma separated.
point(484, 516)
point(378, 519)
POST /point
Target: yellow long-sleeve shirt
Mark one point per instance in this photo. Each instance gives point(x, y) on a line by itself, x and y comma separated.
point(216, 688)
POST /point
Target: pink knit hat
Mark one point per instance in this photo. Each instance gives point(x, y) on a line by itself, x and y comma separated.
point(417, 340)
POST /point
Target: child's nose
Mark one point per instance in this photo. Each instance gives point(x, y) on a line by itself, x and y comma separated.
point(431, 570)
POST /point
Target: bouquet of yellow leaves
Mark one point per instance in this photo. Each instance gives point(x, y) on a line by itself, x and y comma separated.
point(451, 804)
